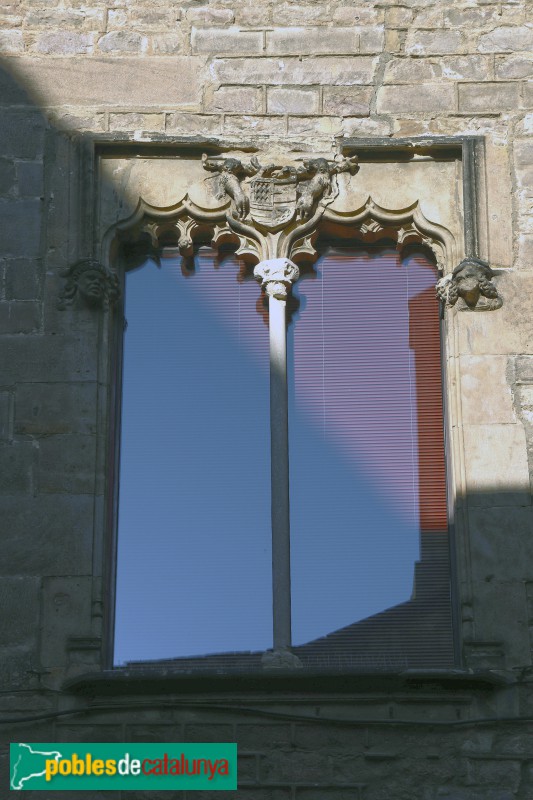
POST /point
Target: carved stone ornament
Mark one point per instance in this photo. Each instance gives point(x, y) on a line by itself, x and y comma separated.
point(276, 276)
point(471, 283)
point(273, 213)
point(94, 283)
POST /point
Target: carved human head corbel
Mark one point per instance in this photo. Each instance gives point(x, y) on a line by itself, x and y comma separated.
point(94, 283)
point(471, 282)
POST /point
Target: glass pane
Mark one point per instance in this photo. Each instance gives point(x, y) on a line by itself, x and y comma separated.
point(194, 560)
point(368, 493)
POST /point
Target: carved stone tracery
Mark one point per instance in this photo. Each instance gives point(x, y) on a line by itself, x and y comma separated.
point(276, 211)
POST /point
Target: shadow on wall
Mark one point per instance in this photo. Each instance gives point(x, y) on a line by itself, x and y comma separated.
point(496, 537)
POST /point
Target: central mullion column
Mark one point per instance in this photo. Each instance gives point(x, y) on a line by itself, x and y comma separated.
point(276, 276)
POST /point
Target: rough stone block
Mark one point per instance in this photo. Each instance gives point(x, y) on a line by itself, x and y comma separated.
point(504, 773)
point(423, 98)
point(287, 13)
point(482, 97)
point(47, 535)
point(504, 446)
point(19, 601)
point(500, 543)
point(328, 70)
point(167, 44)
point(226, 40)
point(29, 146)
point(67, 464)
point(113, 81)
point(433, 42)
point(486, 396)
point(247, 768)
point(471, 17)
point(19, 316)
point(306, 40)
point(399, 17)
point(329, 126)
point(79, 732)
point(7, 176)
point(87, 18)
point(248, 126)
point(136, 122)
point(193, 124)
point(527, 95)
point(66, 612)
point(514, 67)
point(359, 15)
point(206, 15)
point(361, 126)
point(523, 153)
point(11, 42)
point(16, 467)
point(292, 101)
point(239, 99)
point(117, 42)
point(155, 733)
point(48, 358)
point(30, 177)
point(507, 39)
point(22, 279)
point(55, 408)
point(371, 39)
point(6, 425)
point(16, 216)
point(64, 43)
point(354, 101)
point(468, 68)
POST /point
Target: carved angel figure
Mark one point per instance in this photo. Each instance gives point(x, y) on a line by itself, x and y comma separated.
point(470, 281)
point(316, 175)
point(231, 172)
point(96, 284)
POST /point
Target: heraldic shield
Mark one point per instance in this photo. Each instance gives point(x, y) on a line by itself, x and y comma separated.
point(273, 201)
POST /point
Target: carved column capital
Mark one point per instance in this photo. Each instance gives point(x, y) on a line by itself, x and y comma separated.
point(276, 276)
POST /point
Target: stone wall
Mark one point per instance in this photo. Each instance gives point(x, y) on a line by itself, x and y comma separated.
point(293, 76)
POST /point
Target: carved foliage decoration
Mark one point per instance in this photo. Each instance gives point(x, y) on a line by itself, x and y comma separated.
point(95, 284)
point(470, 283)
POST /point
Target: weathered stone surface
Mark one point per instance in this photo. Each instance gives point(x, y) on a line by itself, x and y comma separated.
point(507, 39)
point(11, 42)
point(107, 82)
point(247, 125)
point(16, 460)
point(135, 122)
point(47, 535)
point(293, 101)
point(52, 408)
point(48, 358)
point(207, 15)
point(6, 425)
point(514, 67)
point(504, 445)
point(30, 178)
point(501, 543)
point(333, 71)
point(226, 40)
point(64, 43)
point(66, 612)
point(122, 42)
point(67, 463)
point(305, 14)
point(354, 101)
point(195, 124)
point(433, 42)
point(488, 97)
point(415, 99)
point(19, 599)
point(310, 41)
point(486, 395)
point(239, 99)
point(19, 316)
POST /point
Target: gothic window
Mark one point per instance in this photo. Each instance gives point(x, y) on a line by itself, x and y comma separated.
point(370, 575)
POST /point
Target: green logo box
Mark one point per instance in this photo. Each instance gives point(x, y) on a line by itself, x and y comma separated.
point(105, 766)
